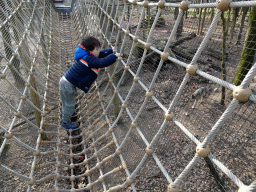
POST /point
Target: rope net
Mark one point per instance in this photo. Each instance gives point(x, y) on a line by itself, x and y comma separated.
point(175, 113)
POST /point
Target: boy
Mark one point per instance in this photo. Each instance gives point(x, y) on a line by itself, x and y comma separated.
point(82, 74)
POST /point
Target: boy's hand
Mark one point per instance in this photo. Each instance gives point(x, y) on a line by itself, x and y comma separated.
point(119, 55)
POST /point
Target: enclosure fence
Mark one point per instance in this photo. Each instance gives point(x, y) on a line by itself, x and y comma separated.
point(175, 113)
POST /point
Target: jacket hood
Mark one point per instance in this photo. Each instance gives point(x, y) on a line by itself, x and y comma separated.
point(80, 53)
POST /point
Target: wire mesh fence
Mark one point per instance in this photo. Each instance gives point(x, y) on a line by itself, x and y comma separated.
point(175, 113)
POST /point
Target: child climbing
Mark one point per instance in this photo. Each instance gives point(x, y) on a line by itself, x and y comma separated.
point(82, 74)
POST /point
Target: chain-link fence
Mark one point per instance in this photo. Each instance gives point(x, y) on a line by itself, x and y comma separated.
point(175, 113)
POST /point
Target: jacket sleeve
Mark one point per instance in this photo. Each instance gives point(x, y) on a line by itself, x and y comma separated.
point(105, 52)
point(94, 62)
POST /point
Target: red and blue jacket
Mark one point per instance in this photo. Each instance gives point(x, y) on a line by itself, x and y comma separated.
point(84, 71)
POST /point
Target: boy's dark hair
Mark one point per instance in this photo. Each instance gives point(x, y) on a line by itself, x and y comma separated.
point(90, 43)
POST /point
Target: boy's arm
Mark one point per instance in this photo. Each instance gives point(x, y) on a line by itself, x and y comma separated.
point(105, 52)
point(94, 62)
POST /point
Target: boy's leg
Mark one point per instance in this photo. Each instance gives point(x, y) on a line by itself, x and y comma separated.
point(68, 96)
point(68, 105)
point(74, 115)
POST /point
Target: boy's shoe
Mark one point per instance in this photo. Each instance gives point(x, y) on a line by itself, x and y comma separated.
point(70, 125)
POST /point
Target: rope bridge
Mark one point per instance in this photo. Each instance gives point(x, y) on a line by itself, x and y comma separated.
point(175, 113)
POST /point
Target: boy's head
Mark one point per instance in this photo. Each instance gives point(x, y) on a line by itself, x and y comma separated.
point(91, 44)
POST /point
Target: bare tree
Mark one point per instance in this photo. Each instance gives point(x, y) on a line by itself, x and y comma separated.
point(248, 53)
point(223, 64)
point(244, 10)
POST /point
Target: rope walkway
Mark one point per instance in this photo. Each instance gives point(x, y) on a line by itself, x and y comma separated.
point(37, 48)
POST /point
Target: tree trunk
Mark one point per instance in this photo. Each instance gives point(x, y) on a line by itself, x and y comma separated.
point(223, 64)
point(202, 24)
point(128, 12)
point(101, 16)
point(235, 15)
point(228, 20)
point(195, 10)
point(110, 24)
point(148, 20)
point(34, 97)
point(180, 28)
point(199, 21)
point(248, 53)
point(212, 14)
point(245, 10)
